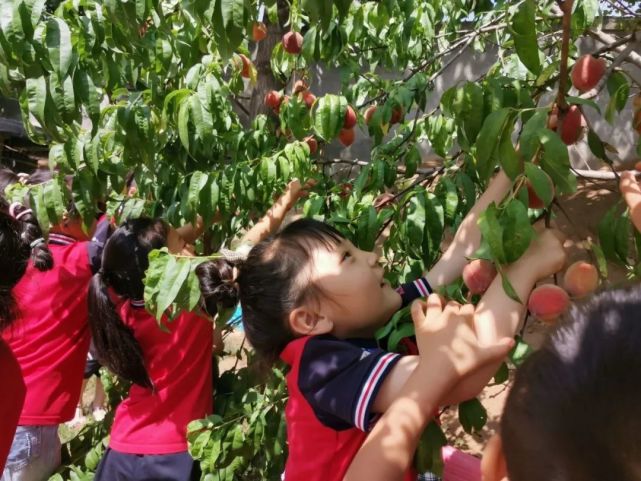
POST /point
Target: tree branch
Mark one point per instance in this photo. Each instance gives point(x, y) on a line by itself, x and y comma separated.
point(364, 163)
point(566, 8)
point(607, 39)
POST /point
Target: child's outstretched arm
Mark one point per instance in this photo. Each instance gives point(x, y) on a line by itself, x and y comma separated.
point(631, 191)
point(449, 349)
point(498, 316)
point(274, 217)
point(468, 236)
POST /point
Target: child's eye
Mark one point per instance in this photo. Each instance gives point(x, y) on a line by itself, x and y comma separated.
point(346, 255)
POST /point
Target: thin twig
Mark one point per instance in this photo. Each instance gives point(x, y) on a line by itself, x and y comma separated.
point(566, 8)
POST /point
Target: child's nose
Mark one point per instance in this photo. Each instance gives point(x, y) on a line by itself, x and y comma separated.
point(372, 258)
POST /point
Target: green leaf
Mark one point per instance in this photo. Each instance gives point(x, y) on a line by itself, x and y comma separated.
point(329, 115)
point(529, 140)
point(580, 101)
point(619, 90)
point(173, 276)
point(556, 161)
point(488, 141)
point(36, 89)
point(428, 453)
point(415, 220)
point(520, 352)
point(502, 375)
point(367, 229)
point(517, 231)
point(596, 146)
point(525, 36)
point(412, 160)
point(401, 332)
point(472, 415)
point(509, 288)
point(492, 232)
point(58, 40)
point(540, 183)
point(509, 158)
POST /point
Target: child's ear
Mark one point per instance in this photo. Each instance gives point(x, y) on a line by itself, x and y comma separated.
point(493, 467)
point(306, 322)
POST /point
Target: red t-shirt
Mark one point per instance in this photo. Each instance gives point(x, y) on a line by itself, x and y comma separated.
point(11, 401)
point(179, 363)
point(50, 337)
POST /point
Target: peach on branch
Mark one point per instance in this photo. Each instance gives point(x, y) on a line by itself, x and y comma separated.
point(587, 72)
point(478, 274)
point(548, 302)
point(581, 279)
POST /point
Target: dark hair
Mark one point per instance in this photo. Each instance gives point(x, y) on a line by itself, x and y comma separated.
point(124, 262)
point(268, 284)
point(40, 254)
point(14, 256)
point(7, 177)
point(574, 412)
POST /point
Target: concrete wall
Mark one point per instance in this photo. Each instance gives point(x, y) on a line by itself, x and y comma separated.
point(470, 66)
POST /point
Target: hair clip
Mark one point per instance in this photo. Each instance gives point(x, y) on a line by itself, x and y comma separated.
point(37, 242)
point(233, 256)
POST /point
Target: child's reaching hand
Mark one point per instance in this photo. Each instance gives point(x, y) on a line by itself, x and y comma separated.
point(447, 341)
point(631, 191)
point(295, 191)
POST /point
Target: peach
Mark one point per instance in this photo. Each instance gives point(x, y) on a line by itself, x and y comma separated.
point(548, 302)
point(245, 72)
point(273, 99)
point(478, 275)
point(346, 137)
point(350, 118)
point(580, 279)
point(300, 86)
point(534, 202)
point(369, 113)
point(312, 143)
point(397, 115)
point(293, 42)
point(587, 72)
point(571, 129)
point(309, 99)
point(259, 31)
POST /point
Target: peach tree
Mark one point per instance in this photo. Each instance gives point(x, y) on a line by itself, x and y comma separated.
point(210, 107)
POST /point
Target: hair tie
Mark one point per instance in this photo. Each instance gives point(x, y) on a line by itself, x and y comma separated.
point(37, 242)
point(23, 213)
point(12, 209)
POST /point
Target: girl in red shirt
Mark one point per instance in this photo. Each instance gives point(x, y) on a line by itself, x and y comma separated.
point(50, 337)
point(14, 256)
point(170, 367)
point(311, 297)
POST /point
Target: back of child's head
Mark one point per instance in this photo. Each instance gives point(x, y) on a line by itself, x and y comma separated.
point(14, 255)
point(271, 283)
point(124, 262)
point(574, 412)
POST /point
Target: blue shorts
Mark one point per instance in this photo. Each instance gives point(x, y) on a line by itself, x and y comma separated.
point(116, 466)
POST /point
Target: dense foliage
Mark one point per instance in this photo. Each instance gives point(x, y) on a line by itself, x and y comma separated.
point(159, 91)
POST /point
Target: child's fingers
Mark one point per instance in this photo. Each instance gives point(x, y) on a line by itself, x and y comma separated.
point(427, 311)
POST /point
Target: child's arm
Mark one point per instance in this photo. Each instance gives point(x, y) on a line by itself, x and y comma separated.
point(468, 236)
point(496, 316)
point(190, 232)
point(631, 191)
point(272, 220)
point(449, 350)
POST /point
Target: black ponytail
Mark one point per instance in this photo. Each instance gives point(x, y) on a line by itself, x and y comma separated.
point(124, 262)
point(14, 256)
point(116, 345)
point(217, 285)
point(32, 234)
